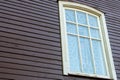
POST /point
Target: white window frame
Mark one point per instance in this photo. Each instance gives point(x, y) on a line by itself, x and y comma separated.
point(108, 53)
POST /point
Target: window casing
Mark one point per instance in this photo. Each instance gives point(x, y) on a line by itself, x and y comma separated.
point(85, 45)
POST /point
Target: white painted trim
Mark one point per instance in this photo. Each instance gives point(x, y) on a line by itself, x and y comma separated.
point(108, 49)
point(87, 9)
point(63, 36)
point(89, 75)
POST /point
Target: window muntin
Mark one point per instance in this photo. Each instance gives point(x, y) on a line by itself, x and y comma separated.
point(84, 43)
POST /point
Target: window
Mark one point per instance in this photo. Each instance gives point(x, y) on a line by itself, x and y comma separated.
point(85, 45)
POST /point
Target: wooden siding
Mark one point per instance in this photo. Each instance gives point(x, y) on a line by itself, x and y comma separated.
point(30, 46)
point(29, 40)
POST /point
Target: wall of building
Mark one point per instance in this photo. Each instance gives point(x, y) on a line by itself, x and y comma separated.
point(30, 46)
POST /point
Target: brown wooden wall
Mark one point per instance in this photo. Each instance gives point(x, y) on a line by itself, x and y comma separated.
point(30, 46)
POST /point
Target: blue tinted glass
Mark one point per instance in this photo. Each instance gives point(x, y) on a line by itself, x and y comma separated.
point(86, 55)
point(81, 18)
point(73, 52)
point(70, 15)
point(94, 33)
point(71, 28)
point(98, 57)
point(92, 21)
point(83, 31)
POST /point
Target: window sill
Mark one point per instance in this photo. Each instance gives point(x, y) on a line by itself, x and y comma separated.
point(90, 75)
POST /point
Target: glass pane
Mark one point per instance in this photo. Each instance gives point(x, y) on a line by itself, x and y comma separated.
point(83, 31)
point(93, 21)
point(98, 57)
point(71, 28)
point(94, 33)
point(86, 55)
point(70, 15)
point(81, 18)
point(73, 52)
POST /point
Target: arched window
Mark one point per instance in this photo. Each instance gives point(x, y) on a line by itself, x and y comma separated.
point(85, 45)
